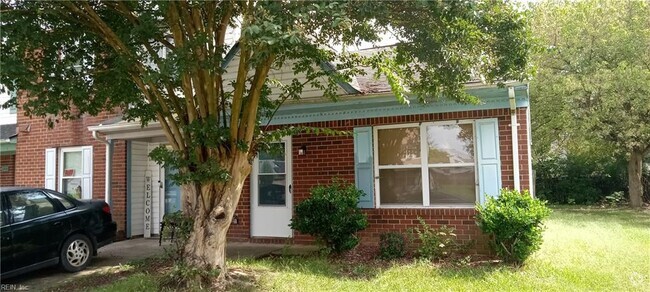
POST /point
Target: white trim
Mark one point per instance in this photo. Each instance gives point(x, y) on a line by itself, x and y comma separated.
point(440, 165)
point(400, 166)
point(424, 160)
point(50, 168)
point(81, 149)
point(288, 172)
point(143, 133)
point(375, 155)
point(424, 165)
point(123, 126)
point(514, 137)
point(531, 185)
point(441, 206)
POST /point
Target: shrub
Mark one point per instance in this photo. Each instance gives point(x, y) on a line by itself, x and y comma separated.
point(391, 245)
point(178, 228)
point(514, 221)
point(434, 243)
point(331, 215)
point(579, 179)
point(614, 200)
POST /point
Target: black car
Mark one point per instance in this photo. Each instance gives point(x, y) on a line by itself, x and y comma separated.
point(41, 227)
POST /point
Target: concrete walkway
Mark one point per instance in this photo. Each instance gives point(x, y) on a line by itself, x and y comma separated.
point(122, 252)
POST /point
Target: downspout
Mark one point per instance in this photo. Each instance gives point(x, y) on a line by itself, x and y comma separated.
point(531, 178)
point(515, 138)
point(107, 179)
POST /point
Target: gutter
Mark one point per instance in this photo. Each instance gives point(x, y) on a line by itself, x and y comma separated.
point(514, 137)
point(109, 154)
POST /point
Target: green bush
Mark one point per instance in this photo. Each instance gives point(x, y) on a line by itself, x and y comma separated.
point(434, 243)
point(579, 179)
point(178, 228)
point(331, 215)
point(391, 245)
point(514, 220)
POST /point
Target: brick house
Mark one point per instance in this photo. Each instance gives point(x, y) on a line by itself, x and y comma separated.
point(433, 161)
point(7, 141)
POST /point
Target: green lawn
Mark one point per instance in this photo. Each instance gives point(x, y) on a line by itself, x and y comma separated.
point(585, 249)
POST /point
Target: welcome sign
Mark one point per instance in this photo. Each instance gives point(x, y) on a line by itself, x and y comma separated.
point(147, 204)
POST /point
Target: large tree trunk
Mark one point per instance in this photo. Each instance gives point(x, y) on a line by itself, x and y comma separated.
point(206, 246)
point(635, 173)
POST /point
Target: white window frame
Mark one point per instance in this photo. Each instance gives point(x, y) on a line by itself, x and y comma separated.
point(424, 164)
point(81, 177)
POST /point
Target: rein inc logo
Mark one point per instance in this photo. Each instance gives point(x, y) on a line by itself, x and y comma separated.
point(13, 287)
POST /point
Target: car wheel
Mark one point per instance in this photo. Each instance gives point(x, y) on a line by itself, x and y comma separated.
point(76, 253)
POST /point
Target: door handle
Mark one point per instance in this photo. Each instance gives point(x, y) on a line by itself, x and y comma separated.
point(290, 189)
point(57, 223)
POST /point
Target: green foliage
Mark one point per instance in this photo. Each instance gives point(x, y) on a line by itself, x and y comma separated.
point(515, 222)
point(101, 55)
point(180, 226)
point(591, 90)
point(432, 243)
point(331, 215)
point(392, 245)
point(615, 199)
point(579, 179)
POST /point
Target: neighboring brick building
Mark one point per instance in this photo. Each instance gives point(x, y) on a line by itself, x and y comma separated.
point(67, 138)
point(7, 141)
point(433, 161)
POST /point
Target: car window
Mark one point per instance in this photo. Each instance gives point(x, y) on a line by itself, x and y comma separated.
point(64, 201)
point(3, 213)
point(29, 205)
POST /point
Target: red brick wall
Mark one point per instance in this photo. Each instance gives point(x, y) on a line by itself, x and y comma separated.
point(7, 177)
point(329, 157)
point(34, 136)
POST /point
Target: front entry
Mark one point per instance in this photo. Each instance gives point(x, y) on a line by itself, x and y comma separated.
point(271, 199)
point(172, 197)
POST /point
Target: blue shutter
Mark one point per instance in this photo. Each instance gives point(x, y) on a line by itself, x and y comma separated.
point(363, 163)
point(489, 161)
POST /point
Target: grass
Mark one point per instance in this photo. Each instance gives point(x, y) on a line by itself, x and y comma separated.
point(585, 249)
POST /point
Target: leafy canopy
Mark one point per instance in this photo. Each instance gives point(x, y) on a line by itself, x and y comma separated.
point(593, 76)
point(166, 61)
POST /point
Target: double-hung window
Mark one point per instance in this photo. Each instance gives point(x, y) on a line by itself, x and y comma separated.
point(428, 164)
point(74, 174)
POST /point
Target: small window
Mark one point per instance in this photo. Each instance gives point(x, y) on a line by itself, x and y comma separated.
point(29, 205)
point(71, 176)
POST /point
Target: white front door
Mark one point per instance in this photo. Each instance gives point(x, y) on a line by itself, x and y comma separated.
point(271, 208)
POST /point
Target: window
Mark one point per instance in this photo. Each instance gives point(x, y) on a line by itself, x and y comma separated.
point(272, 177)
point(4, 218)
point(75, 172)
point(426, 165)
point(71, 174)
point(29, 205)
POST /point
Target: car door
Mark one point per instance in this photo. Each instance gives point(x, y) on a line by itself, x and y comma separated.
point(38, 227)
point(5, 238)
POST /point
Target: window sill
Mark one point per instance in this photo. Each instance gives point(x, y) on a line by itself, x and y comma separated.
point(455, 206)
